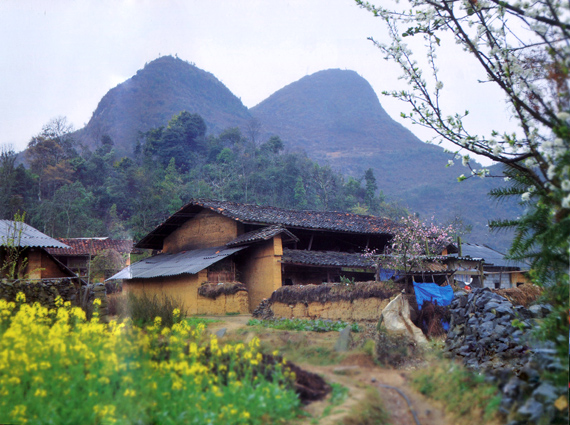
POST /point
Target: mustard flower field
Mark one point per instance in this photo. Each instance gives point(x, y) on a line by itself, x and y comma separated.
point(57, 367)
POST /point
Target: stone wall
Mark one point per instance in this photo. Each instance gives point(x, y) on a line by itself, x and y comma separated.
point(491, 335)
point(43, 291)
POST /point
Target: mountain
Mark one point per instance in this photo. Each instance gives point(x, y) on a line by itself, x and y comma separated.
point(163, 88)
point(336, 117)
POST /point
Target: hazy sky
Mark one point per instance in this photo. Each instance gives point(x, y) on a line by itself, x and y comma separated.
point(59, 57)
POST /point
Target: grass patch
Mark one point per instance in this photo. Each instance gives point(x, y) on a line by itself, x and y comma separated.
point(304, 325)
point(369, 411)
point(143, 309)
point(338, 395)
point(463, 392)
point(195, 321)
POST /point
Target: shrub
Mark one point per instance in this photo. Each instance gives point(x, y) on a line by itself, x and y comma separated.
point(394, 349)
point(143, 309)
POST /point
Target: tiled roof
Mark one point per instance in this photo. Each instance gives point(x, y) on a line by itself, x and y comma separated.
point(26, 235)
point(262, 234)
point(263, 215)
point(190, 262)
point(326, 258)
point(93, 246)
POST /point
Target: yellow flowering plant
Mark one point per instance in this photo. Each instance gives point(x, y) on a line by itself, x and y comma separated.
point(58, 367)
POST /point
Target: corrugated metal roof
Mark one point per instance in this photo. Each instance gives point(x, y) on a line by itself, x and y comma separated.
point(26, 235)
point(190, 262)
point(490, 256)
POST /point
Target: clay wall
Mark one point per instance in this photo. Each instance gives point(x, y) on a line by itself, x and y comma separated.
point(223, 304)
point(367, 309)
point(262, 270)
point(206, 230)
point(184, 288)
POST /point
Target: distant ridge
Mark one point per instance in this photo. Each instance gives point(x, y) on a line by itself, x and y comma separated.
point(163, 88)
point(334, 115)
point(337, 118)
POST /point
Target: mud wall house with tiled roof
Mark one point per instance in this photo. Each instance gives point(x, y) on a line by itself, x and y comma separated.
point(262, 247)
point(33, 246)
point(81, 251)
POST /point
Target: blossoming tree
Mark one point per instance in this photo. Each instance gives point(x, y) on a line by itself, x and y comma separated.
point(524, 49)
point(414, 247)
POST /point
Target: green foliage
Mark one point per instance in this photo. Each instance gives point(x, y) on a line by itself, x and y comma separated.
point(143, 309)
point(463, 392)
point(304, 325)
point(97, 193)
point(128, 375)
point(12, 261)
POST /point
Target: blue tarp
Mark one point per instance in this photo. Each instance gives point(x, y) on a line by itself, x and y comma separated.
point(386, 274)
point(442, 295)
point(434, 293)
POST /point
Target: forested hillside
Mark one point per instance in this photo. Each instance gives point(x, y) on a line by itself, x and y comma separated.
point(336, 117)
point(332, 117)
point(69, 192)
point(163, 88)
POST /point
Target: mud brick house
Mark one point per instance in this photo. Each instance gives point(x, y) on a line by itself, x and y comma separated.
point(33, 246)
point(261, 247)
point(80, 251)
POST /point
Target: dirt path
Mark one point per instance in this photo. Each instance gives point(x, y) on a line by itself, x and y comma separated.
point(357, 373)
point(397, 407)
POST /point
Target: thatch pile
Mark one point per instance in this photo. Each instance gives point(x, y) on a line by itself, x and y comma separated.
point(214, 290)
point(523, 295)
point(331, 292)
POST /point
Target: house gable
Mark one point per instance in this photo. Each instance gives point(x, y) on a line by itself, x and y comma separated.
point(206, 230)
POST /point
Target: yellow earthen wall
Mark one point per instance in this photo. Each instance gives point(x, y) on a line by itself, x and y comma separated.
point(208, 229)
point(235, 303)
point(262, 270)
point(368, 309)
point(182, 287)
point(185, 289)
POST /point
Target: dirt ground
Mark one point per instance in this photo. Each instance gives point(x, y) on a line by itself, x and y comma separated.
point(356, 371)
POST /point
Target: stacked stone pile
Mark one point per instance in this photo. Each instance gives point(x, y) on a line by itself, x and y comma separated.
point(263, 310)
point(489, 333)
point(482, 330)
point(43, 291)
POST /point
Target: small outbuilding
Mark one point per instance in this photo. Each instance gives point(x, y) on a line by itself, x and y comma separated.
point(25, 248)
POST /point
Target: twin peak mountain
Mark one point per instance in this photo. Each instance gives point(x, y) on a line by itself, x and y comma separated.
point(332, 115)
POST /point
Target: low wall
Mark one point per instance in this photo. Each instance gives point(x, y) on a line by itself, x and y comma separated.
point(45, 291)
point(360, 310)
point(224, 304)
point(360, 301)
